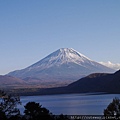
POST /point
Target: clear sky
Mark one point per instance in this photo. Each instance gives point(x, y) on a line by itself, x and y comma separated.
point(31, 29)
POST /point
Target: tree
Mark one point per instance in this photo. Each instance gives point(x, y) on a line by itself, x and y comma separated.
point(35, 111)
point(62, 117)
point(113, 109)
point(8, 104)
point(2, 116)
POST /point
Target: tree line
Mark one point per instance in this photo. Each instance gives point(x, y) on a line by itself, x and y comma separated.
point(35, 111)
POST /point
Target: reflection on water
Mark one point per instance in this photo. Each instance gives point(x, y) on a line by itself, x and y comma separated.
point(72, 104)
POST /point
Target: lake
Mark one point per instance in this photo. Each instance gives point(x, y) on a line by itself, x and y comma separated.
point(72, 104)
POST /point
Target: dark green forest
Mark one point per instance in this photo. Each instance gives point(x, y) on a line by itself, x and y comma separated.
point(35, 111)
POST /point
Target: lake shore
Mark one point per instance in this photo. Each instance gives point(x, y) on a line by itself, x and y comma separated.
point(51, 91)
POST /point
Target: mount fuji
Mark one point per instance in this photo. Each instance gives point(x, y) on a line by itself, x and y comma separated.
point(62, 66)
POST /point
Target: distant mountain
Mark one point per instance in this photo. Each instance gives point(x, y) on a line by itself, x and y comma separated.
point(94, 83)
point(64, 65)
point(6, 81)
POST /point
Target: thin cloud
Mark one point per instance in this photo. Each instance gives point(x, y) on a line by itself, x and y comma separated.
point(111, 65)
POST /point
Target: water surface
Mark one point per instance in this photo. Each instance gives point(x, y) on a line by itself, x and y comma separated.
point(72, 104)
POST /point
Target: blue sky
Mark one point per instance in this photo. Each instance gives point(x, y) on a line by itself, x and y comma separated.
point(31, 29)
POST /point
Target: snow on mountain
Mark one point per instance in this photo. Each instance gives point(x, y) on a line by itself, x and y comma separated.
point(59, 57)
point(65, 64)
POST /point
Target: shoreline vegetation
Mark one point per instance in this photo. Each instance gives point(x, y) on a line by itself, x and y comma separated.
point(50, 91)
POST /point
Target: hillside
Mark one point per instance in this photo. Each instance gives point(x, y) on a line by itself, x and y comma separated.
point(9, 81)
point(97, 82)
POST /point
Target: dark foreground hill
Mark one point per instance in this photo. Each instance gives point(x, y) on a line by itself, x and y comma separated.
point(97, 82)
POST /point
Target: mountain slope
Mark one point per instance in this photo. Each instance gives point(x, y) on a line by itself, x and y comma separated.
point(97, 82)
point(64, 64)
point(6, 80)
point(93, 83)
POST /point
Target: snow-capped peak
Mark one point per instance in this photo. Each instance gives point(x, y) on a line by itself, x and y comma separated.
point(65, 63)
point(69, 54)
point(71, 51)
point(61, 56)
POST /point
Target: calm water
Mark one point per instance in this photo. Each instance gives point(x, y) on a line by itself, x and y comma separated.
point(72, 104)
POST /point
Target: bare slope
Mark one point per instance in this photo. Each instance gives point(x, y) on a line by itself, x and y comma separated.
point(10, 81)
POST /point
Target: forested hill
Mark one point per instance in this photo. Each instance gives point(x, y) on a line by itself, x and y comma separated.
point(97, 82)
